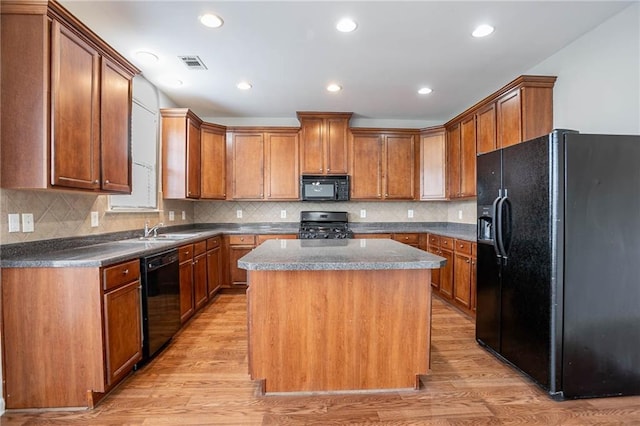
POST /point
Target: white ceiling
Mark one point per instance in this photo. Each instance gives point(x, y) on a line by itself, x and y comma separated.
point(290, 51)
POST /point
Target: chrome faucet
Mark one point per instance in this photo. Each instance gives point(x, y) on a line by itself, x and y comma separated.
point(154, 229)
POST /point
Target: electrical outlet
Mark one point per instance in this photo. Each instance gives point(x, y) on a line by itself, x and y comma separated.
point(459, 214)
point(410, 213)
point(363, 213)
point(184, 215)
point(283, 214)
point(172, 216)
point(27, 222)
point(239, 214)
point(14, 222)
point(95, 219)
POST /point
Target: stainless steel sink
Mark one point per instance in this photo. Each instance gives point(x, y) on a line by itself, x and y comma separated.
point(162, 238)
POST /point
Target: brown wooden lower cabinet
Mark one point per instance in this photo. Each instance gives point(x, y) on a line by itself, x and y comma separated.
point(456, 281)
point(187, 305)
point(237, 246)
point(88, 319)
point(214, 265)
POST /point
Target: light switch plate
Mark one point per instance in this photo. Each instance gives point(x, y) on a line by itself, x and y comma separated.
point(184, 215)
point(27, 222)
point(172, 216)
point(239, 214)
point(283, 214)
point(363, 213)
point(14, 222)
point(95, 219)
point(410, 214)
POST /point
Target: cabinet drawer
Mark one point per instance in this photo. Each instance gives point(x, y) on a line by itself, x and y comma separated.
point(446, 243)
point(213, 243)
point(407, 238)
point(237, 240)
point(115, 276)
point(434, 240)
point(463, 247)
point(185, 253)
point(199, 247)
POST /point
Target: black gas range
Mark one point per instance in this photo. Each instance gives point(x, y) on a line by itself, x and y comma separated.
point(324, 225)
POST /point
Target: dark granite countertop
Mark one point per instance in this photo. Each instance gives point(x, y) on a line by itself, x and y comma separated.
point(108, 249)
point(352, 254)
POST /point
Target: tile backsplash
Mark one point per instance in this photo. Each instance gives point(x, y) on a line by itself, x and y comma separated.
point(59, 214)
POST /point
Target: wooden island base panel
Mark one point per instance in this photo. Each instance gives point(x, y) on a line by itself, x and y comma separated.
point(339, 330)
point(338, 315)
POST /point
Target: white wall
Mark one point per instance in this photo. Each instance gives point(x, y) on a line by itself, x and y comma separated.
point(598, 86)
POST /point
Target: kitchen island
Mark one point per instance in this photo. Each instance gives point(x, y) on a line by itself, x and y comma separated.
point(338, 315)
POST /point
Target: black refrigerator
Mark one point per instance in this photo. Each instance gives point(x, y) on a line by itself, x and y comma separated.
point(558, 276)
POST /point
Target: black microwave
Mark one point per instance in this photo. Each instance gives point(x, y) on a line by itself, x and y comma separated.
point(324, 188)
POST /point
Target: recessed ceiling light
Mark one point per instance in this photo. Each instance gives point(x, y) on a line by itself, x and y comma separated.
point(482, 31)
point(210, 20)
point(334, 87)
point(346, 25)
point(243, 85)
point(146, 58)
point(424, 90)
point(170, 81)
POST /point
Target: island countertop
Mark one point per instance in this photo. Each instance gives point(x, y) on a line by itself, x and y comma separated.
point(349, 254)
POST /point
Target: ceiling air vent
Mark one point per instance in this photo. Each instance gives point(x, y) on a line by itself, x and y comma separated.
point(193, 62)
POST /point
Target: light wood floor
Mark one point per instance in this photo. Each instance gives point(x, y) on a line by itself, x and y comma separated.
point(201, 378)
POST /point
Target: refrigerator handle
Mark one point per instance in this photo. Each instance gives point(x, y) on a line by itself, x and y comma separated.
point(500, 225)
point(496, 225)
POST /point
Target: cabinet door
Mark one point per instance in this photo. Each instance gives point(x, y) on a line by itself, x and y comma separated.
point(248, 166)
point(486, 129)
point(509, 119)
point(468, 157)
point(311, 146)
point(435, 273)
point(433, 157)
point(282, 175)
point(200, 293)
point(75, 149)
point(123, 339)
point(238, 277)
point(214, 271)
point(399, 180)
point(366, 167)
point(187, 307)
point(462, 285)
point(193, 159)
point(213, 165)
point(453, 160)
point(115, 128)
point(446, 274)
point(336, 146)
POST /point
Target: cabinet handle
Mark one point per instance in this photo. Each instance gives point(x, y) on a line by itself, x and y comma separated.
point(328, 170)
point(186, 253)
point(125, 272)
point(468, 261)
point(96, 181)
point(107, 182)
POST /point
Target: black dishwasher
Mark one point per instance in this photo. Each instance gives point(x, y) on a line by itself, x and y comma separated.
point(160, 301)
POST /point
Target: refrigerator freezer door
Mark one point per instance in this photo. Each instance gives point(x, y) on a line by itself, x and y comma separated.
point(488, 269)
point(602, 250)
point(526, 276)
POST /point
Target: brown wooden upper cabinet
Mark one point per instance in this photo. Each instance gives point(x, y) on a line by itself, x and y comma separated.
point(213, 166)
point(383, 164)
point(181, 157)
point(521, 110)
point(433, 157)
point(72, 136)
point(324, 142)
point(461, 148)
point(263, 164)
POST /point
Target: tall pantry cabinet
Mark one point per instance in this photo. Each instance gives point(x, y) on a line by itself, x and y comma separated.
point(73, 136)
